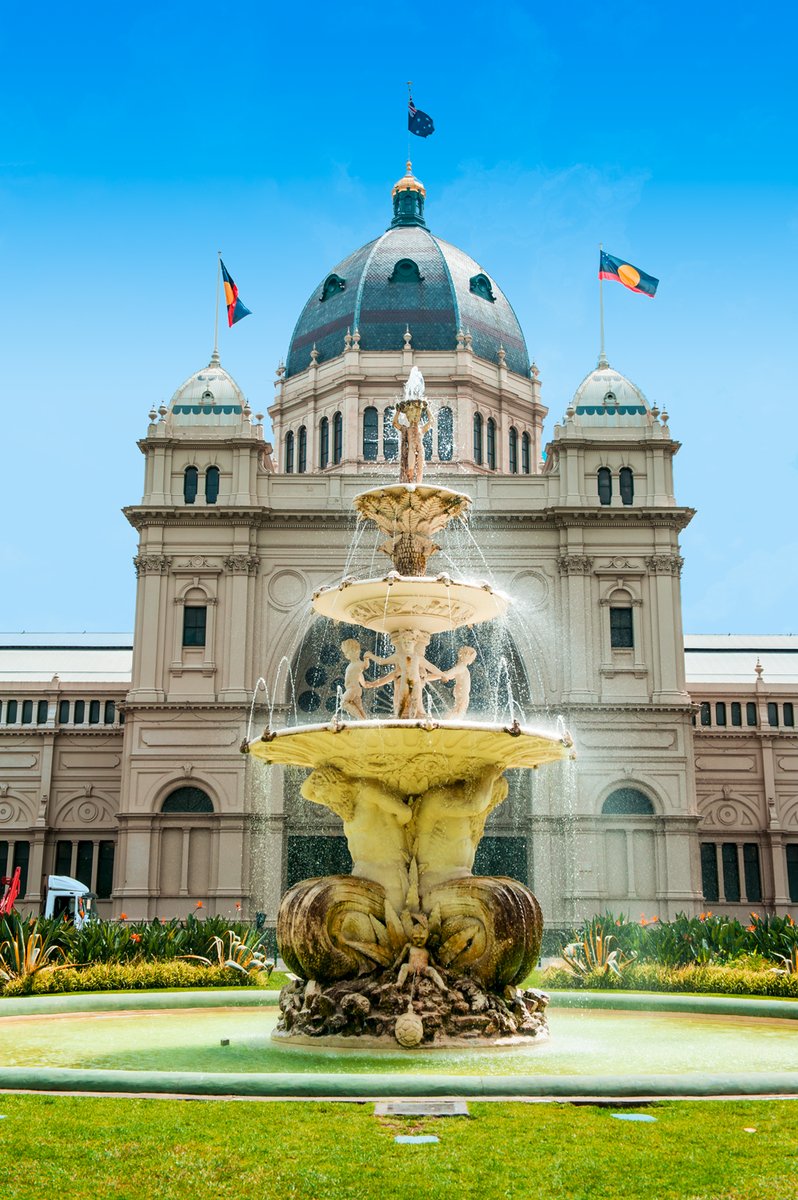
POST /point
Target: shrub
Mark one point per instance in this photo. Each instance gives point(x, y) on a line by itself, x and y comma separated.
point(108, 977)
point(656, 977)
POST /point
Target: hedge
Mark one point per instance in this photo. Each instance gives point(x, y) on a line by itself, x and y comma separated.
point(109, 977)
point(653, 977)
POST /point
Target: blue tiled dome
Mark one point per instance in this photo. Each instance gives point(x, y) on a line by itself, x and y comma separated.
point(405, 278)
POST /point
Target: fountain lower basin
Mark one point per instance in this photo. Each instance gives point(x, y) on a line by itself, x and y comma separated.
point(592, 1052)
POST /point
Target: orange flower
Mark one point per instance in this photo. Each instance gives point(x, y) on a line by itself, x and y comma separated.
point(790, 920)
point(123, 916)
point(135, 937)
point(653, 919)
point(643, 920)
point(751, 928)
point(754, 917)
point(199, 904)
point(238, 906)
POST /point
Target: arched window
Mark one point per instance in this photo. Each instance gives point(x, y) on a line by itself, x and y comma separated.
point(427, 440)
point(406, 271)
point(445, 435)
point(629, 802)
point(338, 438)
point(302, 455)
point(478, 439)
point(480, 285)
point(324, 442)
point(513, 451)
point(331, 286)
point(390, 436)
point(371, 434)
point(604, 485)
point(626, 484)
point(526, 454)
point(190, 482)
point(211, 485)
point(289, 453)
point(187, 800)
point(491, 444)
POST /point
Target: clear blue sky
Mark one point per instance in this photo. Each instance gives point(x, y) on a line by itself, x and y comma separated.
point(136, 139)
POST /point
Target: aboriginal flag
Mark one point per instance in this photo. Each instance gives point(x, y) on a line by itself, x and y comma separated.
point(235, 309)
point(418, 122)
point(631, 277)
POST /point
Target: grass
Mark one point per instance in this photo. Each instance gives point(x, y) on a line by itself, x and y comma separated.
point(133, 1149)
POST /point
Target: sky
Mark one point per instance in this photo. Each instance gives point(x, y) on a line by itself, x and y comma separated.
point(135, 141)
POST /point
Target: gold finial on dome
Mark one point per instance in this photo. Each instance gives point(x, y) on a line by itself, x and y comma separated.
point(408, 182)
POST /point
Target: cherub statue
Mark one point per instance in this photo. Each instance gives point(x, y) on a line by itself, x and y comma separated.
point(409, 673)
point(418, 962)
point(352, 697)
point(460, 674)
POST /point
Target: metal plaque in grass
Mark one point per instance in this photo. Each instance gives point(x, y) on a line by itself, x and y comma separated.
point(421, 1108)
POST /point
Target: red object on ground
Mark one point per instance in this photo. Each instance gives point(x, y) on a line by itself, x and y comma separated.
point(11, 892)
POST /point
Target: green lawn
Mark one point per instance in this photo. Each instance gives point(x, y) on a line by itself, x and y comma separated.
point(79, 1148)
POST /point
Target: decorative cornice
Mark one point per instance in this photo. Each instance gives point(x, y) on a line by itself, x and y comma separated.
point(152, 564)
point(242, 564)
point(575, 564)
point(665, 564)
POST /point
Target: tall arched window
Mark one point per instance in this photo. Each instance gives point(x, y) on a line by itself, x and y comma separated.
point(302, 455)
point(626, 482)
point(338, 438)
point(371, 434)
point(445, 435)
point(427, 440)
point(526, 454)
point(478, 439)
point(211, 485)
point(289, 453)
point(513, 451)
point(390, 436)
point(491, 444)
point(190, 481)
point(324, 442)
point(604, 478)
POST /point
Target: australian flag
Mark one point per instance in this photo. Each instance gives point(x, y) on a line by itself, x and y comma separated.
point(418, 122)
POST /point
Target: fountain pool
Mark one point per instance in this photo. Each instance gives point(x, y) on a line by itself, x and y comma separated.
point(227, 1049)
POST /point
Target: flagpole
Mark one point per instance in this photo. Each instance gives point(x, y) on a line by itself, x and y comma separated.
point(602, 356)
point(216, 313)
point(409, 98)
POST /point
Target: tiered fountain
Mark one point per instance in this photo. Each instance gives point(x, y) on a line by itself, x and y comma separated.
point(411, 948)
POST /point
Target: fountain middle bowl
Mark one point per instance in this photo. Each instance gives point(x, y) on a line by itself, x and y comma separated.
point(412, 756)
point(395, 603)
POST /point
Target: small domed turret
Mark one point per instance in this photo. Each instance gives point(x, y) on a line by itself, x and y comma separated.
point(408, 194)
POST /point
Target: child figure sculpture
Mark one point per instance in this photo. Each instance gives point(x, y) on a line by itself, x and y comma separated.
point(460, 673)
point(352, 698)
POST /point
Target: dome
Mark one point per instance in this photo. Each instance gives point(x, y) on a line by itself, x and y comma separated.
point(606, 392)
point(208, 397)
point(408, 278)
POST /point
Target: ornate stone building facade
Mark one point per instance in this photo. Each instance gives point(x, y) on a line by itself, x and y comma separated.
point(120, 763)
